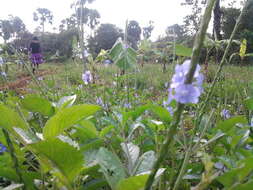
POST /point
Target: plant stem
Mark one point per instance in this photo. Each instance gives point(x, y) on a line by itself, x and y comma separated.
point(164, 149)
point(13, 156)
point(177, 116)
point(223, 61)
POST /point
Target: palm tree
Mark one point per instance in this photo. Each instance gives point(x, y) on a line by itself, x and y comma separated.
point(43, 15)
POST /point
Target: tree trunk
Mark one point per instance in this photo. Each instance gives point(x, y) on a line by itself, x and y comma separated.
point(217, 21)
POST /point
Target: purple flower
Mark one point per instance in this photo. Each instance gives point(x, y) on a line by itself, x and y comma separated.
point(185, 93)
point(169, 108)
point(127, 105)
point(85, 53)
point(251, 123)
point(99, 101)
point(87, 77)
point(2, 148)
point(125, 46)
point(3, 74)
point(225, 114)
point(1, 61)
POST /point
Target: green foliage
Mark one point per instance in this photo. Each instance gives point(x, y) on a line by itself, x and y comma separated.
point(111, 167)
point(105, 37)
point(183, 51)
point(62, 159)
point(133, 33)
point(11, 119)
point(66, 118)
point(135, 183)
point(124, 57)
point(37, 104)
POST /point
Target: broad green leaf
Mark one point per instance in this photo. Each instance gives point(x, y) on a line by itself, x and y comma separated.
point(37, 104)
point(85, 131)
point(66, 101)
point(133, 183)
point(26, 136)
point(135, 114)
point(229, 178)
point(245, 186)
point(95, 184)
point(65, 161)
point(28, 177)
point(183, 51)
point(226, 125)
point(162, 113)
point(237, 175)
point(124, 58)
point(116, 51)
point(111, 167)
point(249, 103)
point(10, 119)
point(94, 144)
point(66, 118)
point(106, 130)
point(132, 152)
point(127, 59)
point(146, 162)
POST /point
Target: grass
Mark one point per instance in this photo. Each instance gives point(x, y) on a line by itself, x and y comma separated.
point(148, 81)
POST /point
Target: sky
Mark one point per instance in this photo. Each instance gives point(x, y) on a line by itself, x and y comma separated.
point(162, 12)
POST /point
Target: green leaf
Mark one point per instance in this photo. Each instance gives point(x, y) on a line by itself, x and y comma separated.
point(249, 103)
point(127, 59)
point(226, 125)
point(124, 58)
point(229, 178)
point(65, 161)
point(10, 119)
point(146, 162)
point(66, 101)
point(132, 152)
point(162, 113)
point(135, 114)
point(116, 51)
point(28, 177)
point(37, 104)
point(133, 183)
point(183, 51)
point(106, 130)
point(246, 186)
point(237, 175)
point(95, 184)
point(66, 118)
point(86, 130)
point(111, 167)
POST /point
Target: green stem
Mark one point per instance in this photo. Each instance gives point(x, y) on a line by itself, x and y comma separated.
point(177, 116)
point(13, 156)
point(164, 149)
point(223, 61)
point(182, 170)
point(188, 153)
